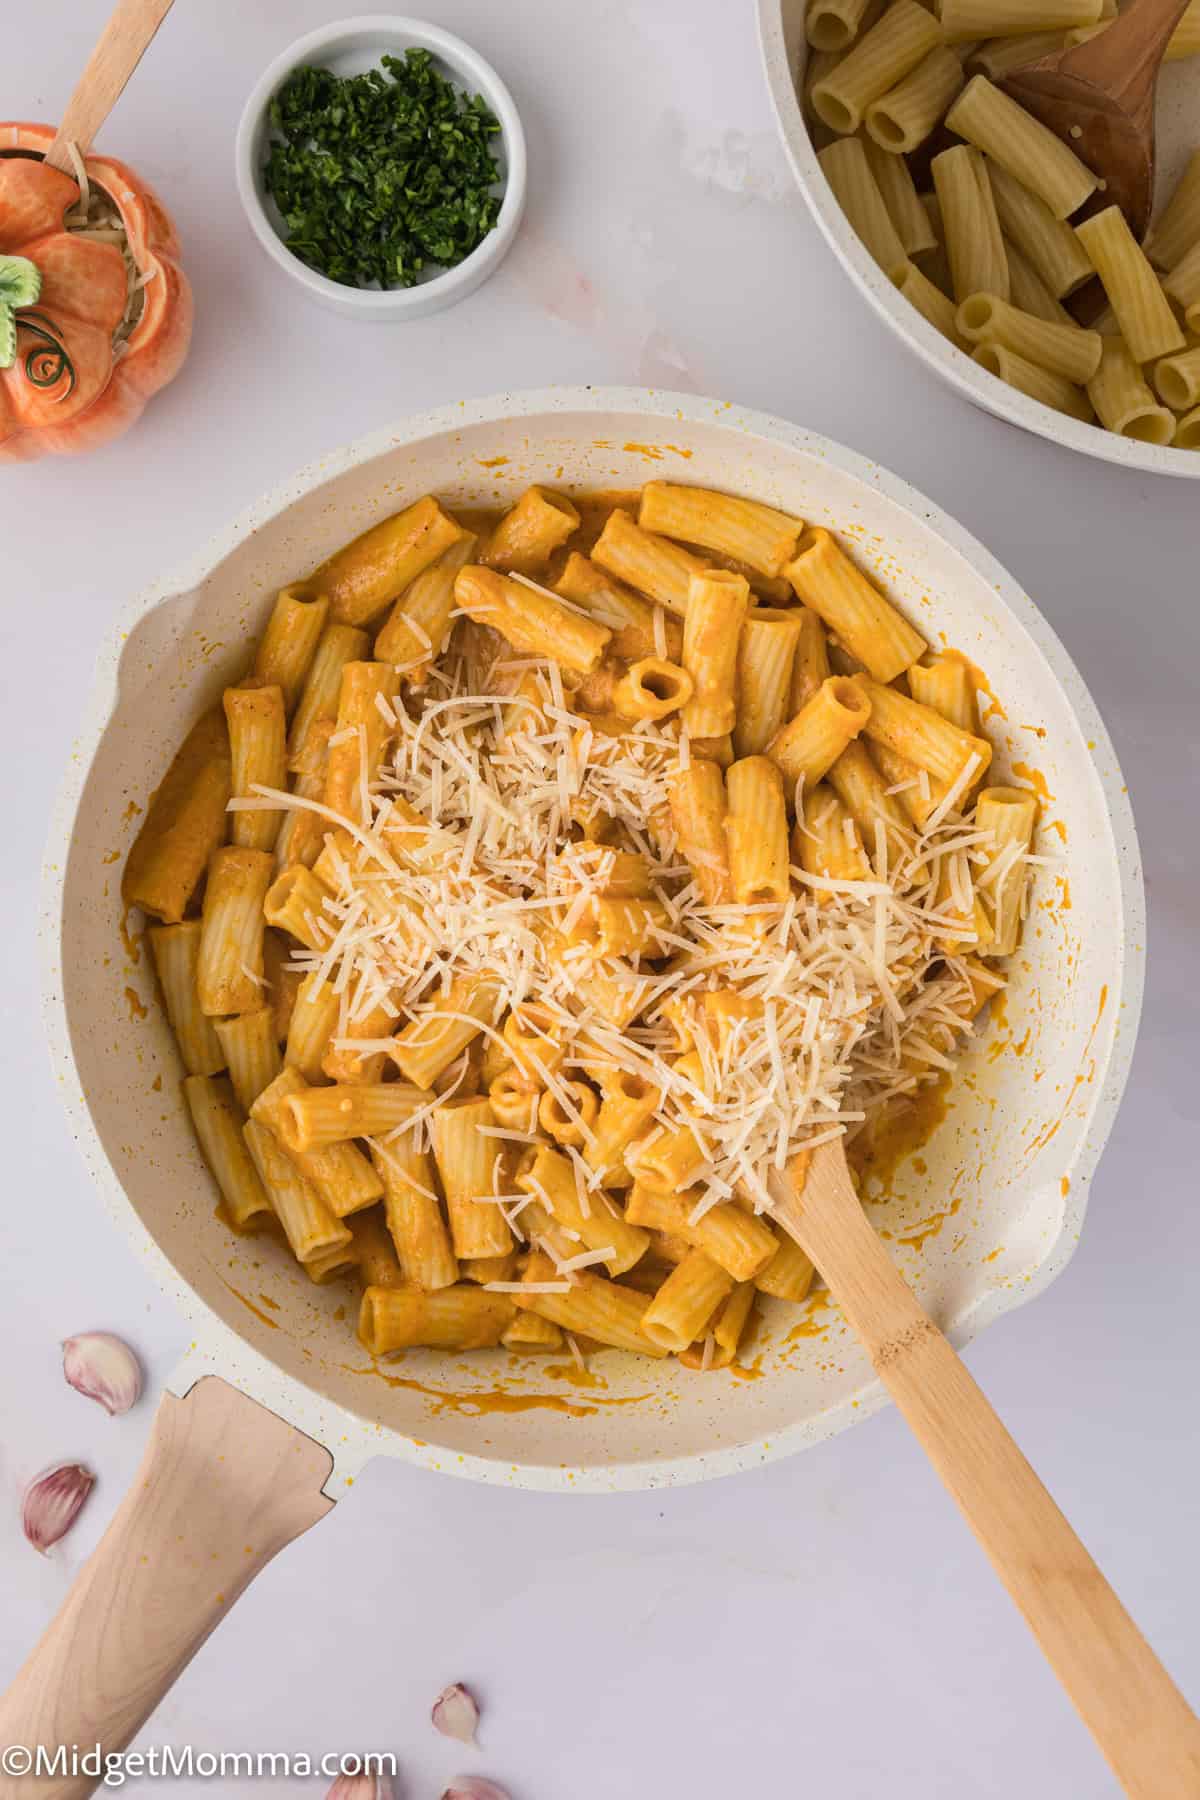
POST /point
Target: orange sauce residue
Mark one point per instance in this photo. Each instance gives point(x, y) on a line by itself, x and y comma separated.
point(267, 1301)
point(1064, 1185)
point(492, 462)
point(1036, 780)
point(982, 686)
point(1085, 1073)
point(136, 1009)
point(131, 812)
point(898, 1137)
point(130, 939)
point(156, 1084)
point(494, 1400)
point(1062, 882)
point(818, 1317)
point(918, 1237)
point(249, 1304)
point(112, 857)
point(751, 1371)
point(652, 452)
point(1059, 825)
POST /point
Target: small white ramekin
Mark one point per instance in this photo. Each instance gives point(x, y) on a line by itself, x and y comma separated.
point(351, 47)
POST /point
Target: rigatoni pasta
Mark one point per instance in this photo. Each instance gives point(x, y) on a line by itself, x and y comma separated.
point(570, 922)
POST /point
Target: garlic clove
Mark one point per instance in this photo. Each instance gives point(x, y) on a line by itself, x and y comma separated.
point(474, 1787)
point(456, 1715)
point(362, 1787)
point(103, 1367)
point(51, 1503)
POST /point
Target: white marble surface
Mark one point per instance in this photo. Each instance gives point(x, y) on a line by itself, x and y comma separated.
point(826, 1624)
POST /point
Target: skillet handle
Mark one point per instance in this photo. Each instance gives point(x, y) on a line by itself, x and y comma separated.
point(223, 1486)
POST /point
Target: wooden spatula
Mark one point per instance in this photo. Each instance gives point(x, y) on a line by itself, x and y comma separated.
point(1099, 98)
point(122, 43)
point(1135, 1712)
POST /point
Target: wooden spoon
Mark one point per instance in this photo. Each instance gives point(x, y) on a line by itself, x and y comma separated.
point(1099, 98)
point(122, 44)
point(1135, 1712)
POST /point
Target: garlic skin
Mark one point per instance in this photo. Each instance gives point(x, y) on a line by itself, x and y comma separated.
point(103, 1367)
point(52, 1502)
point(362, 1787)
point(456, 1715)
point(474, 1787)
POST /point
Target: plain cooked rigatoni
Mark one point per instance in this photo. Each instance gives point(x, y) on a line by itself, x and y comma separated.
point(578, 905)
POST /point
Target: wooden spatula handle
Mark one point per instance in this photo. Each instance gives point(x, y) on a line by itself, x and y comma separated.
point(122, 45)
point(224, 1484)
point(1133, 1709)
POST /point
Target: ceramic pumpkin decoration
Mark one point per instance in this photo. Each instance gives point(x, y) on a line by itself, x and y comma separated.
point(95, 311)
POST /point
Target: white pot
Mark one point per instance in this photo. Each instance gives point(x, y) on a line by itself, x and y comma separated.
point(1007, 1172)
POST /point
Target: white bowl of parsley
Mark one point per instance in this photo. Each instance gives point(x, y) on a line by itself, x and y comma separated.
point(381, 163)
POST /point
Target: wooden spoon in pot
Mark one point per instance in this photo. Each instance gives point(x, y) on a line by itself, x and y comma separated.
point(1133, 1709)
point(1099, 98)
point(122, 43)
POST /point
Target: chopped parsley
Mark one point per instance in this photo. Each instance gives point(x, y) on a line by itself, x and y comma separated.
point(378, 176)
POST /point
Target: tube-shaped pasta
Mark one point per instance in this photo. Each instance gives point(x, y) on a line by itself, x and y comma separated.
point(903, 117)
point(176, 953)
point(624, 927)
point(965, 20)
point(367, 575)
point(184, 824)
point(1049, 243)
point(374, 1253)
point(928, 299)
point(1187, 430)
point(756, 828)
point(572, 1128)
point(514, 1102)
point(740, 1242)
point(846, 169)
point(1009, 815)
point(313, 1022)
point(810, 663)
point(639, 627)
point(258, 748)
point(923, 736)
point(529, 1332)
point(862, 790)
point(974, 243)
point(789, 1274)
point(686, 1301)
point(1177, 227)
point(1183, 285)
point(1064, 350)
point(893, 178)
point(766, 653)
point(288, 645)
point(986, 116)
point(281, 984)
point(1142, 309)
point(833, 25)
point(652, 689)
point(531, 618)
point(414, 1215)
point(295, 903)
point(907, 783)
point(319, 1116)
point(550, 1177)
point(865, 621)
point(882, 57)
point(943, 682)
point(426, 1047)
point(339, 645)
point(627, 1105)
point(340, 1172)
point(811, 743)
point(229, 967)
point(590, 1306)
point(1039, 383)
point(698, 809)
point(301, 833)
point(532, 1037)
point(218, 1126)
point(310, 1227)
point(717, 604)
point(419, 623)
point(1184, 41)
point(530, 532)
point(725, 1331)
point(251, 1052)
point(1177, 379)
point(826, 844)
point(364, 727)
point(1029, 292)
point(464, 1317)
point(760, 536)
point(652, 564)
point(1124, 402)
point(667, 1159)
point(362, 1068)
point(466, 1158)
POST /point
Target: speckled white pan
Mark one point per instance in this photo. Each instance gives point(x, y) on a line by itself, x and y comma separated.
point(785, 55)
point(988, 1223)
